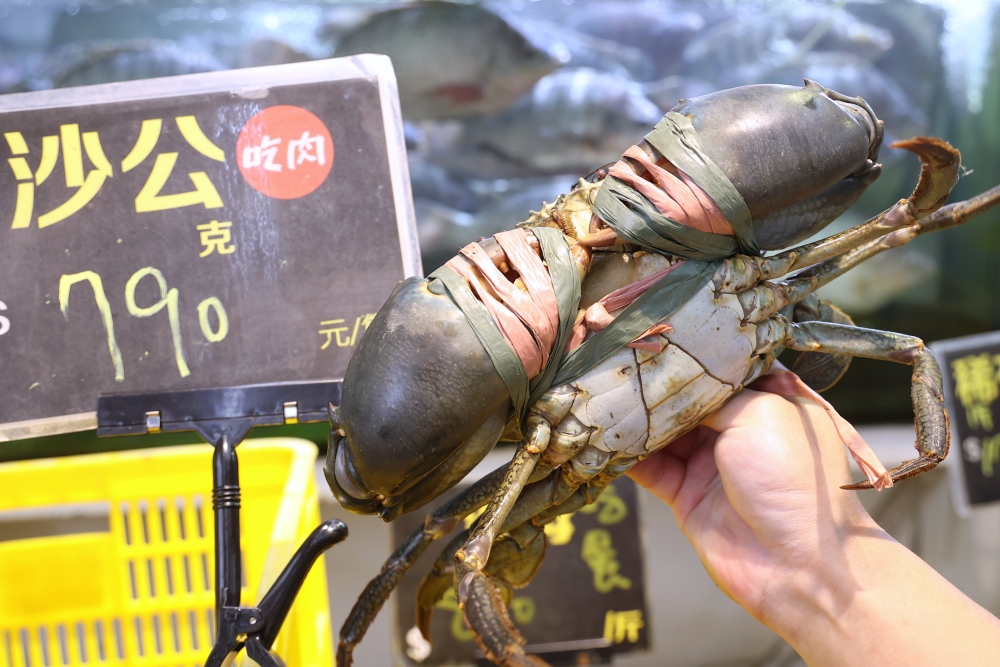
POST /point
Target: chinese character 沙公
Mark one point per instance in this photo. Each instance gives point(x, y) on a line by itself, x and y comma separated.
point(74, 146)
point(149, 198)
point(216, 237)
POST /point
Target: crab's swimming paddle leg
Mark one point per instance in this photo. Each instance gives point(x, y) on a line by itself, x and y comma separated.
point(820, 370)
point(437, 525)
point(926, 389)
point(480, 599)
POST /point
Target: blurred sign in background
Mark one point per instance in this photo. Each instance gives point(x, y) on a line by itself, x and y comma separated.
point(593, 565)
point(971, 368)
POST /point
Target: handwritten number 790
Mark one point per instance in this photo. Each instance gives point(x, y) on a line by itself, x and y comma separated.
point(169, 299)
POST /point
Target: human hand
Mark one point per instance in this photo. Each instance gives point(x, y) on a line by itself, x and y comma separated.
point(756, 489)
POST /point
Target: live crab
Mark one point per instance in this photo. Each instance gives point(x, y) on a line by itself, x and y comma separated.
point(613, 321)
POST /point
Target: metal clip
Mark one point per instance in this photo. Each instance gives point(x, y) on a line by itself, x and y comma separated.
point(153, 421)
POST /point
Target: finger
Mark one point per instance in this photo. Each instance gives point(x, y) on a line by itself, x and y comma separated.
point(750, 407)
point(661, 473)
point(686, 445)
point(701, 477)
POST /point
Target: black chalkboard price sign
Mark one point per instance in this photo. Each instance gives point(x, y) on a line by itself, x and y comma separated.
point(586, 603)
point(205, 231)
point(971, 368)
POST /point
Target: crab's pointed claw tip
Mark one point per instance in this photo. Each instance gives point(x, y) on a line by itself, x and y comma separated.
point(878, 483)
point(482, 605)
point(932, 150)
point(906, 470)
point(940, 165)
point(424, 615)
point(345, 656)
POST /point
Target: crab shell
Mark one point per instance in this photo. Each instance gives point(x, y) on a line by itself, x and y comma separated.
point(422, 402)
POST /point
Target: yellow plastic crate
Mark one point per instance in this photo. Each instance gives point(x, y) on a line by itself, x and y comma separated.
point(143, 593)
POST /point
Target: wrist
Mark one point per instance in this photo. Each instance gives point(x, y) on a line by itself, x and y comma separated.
point(818, 601)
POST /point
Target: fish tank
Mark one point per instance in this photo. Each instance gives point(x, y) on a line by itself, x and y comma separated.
point(508, 103)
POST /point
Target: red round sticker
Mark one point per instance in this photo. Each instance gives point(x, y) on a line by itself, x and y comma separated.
point(284, 152)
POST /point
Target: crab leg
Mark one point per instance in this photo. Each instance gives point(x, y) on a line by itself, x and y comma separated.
point(949, 216)
point(926, 389)
point(769, 297)
point(437, 525)
point(539, 503)
point(514, 560)
point(479, 598)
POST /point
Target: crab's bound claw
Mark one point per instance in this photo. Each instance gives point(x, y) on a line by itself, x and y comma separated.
point(940, 163)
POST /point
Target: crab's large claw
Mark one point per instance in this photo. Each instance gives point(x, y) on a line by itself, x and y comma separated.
point(940, 163)
point(799, 157)
point(422, 405)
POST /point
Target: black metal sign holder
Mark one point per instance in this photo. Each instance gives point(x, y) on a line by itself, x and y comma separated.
point(223, 417)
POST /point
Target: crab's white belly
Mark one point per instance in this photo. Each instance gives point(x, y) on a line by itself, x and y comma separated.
point(636, 402)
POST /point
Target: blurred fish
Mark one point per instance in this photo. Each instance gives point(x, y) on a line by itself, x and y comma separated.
point(866, 288)
point(121, 60)
point(659, 31)
point(430, 182)
point(574, 121)
point(442, 231)
point(237, 51)
point(577, 49)
point(670, 90)
point(339, 20)
point(451, 60)
point(510, 201)
point(916, 60)
point(779, 37)
point(11, 74)
point(28, 27)
point(852, 76)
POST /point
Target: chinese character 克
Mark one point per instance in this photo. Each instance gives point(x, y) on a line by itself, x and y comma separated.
point(977, 385)
point(343, 340)
point(216, 237)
